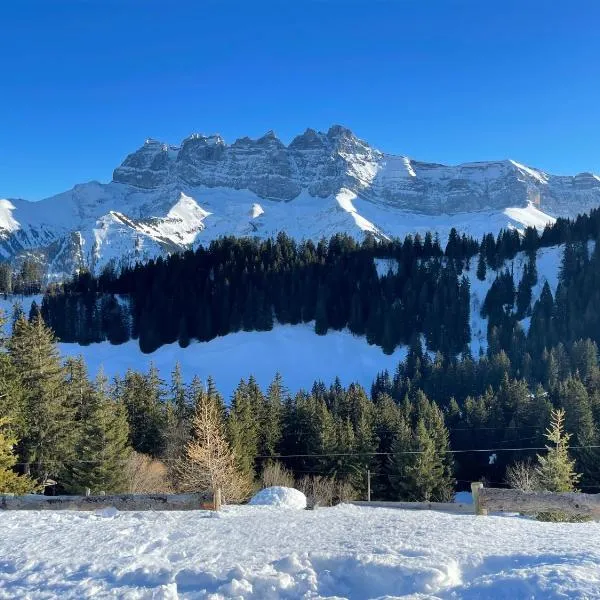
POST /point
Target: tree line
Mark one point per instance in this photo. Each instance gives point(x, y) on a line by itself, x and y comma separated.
point(419, 432)
point(246, 284)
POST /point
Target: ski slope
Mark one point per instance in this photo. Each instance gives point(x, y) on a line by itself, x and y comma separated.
point(295, 351)
point(264, 553)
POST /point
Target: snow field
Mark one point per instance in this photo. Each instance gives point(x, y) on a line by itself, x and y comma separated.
point(265, 553)
point(295, 351)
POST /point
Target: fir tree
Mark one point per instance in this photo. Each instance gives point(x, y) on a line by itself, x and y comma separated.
point(47, 443)
point(102, 448)
point(481, 267)
point(243, 427)
point(11, 482)
point(556, 470)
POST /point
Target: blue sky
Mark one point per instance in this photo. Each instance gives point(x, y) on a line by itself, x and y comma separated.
point(83, 83)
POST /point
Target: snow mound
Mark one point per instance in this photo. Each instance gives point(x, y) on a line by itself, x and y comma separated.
point(280, 497)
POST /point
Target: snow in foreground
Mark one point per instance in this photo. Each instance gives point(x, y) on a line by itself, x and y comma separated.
point(266, 553)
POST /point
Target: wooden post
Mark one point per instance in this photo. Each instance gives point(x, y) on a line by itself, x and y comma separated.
point(217, 499)
point(475, 487)
point(368, 485)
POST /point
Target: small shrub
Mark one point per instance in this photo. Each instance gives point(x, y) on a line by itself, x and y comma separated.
point(325, 491)
point(145, 475)
point(523, 476)
point(275, 474)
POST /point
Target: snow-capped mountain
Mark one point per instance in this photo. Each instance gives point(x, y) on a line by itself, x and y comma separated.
point(164, 198)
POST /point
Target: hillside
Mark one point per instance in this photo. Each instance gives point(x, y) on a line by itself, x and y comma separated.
point(295, 351)
point(165, 198)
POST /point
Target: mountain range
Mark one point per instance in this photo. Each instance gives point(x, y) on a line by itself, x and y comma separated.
point(165, 198)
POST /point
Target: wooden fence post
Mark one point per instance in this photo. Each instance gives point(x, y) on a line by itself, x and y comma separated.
point(475, 487)
point(217, 499)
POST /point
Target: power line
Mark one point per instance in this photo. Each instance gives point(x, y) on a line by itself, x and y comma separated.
point(337, 454)
point(359, 454)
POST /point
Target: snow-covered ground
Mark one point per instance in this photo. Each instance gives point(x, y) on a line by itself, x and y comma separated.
point(263, 553)
point(295, 351)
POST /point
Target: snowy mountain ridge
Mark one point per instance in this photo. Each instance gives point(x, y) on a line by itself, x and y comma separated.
point(164, 198)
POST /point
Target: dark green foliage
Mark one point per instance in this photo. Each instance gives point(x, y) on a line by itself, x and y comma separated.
point(101, 447)
point(246, 284)
point(47, 441)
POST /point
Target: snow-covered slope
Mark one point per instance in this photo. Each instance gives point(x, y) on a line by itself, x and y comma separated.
point(165, 198)
point(296, 351)
point(263, 553)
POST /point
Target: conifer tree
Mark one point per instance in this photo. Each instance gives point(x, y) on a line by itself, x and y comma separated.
point(11, 482)
point(141, 396)
point(102, 447)
point(556, 470)
point(271, 418)
point(209, 462)
point(243, 426)
point(48, 441)
point(12, 404)
point(481, 267)
point(421, 467)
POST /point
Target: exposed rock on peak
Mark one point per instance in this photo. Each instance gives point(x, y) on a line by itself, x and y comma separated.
point(165, 198)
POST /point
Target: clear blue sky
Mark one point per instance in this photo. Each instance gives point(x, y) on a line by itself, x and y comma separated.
point(83, 83)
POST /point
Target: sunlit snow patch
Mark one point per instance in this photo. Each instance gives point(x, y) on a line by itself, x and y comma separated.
point(280, 497)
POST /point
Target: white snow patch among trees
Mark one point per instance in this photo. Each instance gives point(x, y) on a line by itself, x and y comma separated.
point(295, 351)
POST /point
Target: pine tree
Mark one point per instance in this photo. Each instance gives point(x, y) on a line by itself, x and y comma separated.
point(243, 427)
point(11, 482)
point(481, 267)
point(12, 404)
point(102, 448)
point(271, 418)
point(556, 470)
point(141, 396)
point(421, 467)
point(48, 441)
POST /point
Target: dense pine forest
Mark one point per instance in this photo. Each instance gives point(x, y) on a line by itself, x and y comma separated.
point(442, 419)
point(245, 284)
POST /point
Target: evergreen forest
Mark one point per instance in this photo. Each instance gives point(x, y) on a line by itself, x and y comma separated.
point(444, 418)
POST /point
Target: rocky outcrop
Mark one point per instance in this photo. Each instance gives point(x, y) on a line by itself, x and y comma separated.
point(165, 198)
point(321, 164)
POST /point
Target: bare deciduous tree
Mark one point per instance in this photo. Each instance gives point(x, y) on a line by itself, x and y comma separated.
point(523, 476)
point(325, 491)
point(208, 462)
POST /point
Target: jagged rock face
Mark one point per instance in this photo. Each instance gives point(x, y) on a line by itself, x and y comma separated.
point(316, 162)
point(165, 198)
point(324, 163)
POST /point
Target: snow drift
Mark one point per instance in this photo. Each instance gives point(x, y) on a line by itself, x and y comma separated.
point(280, 497)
